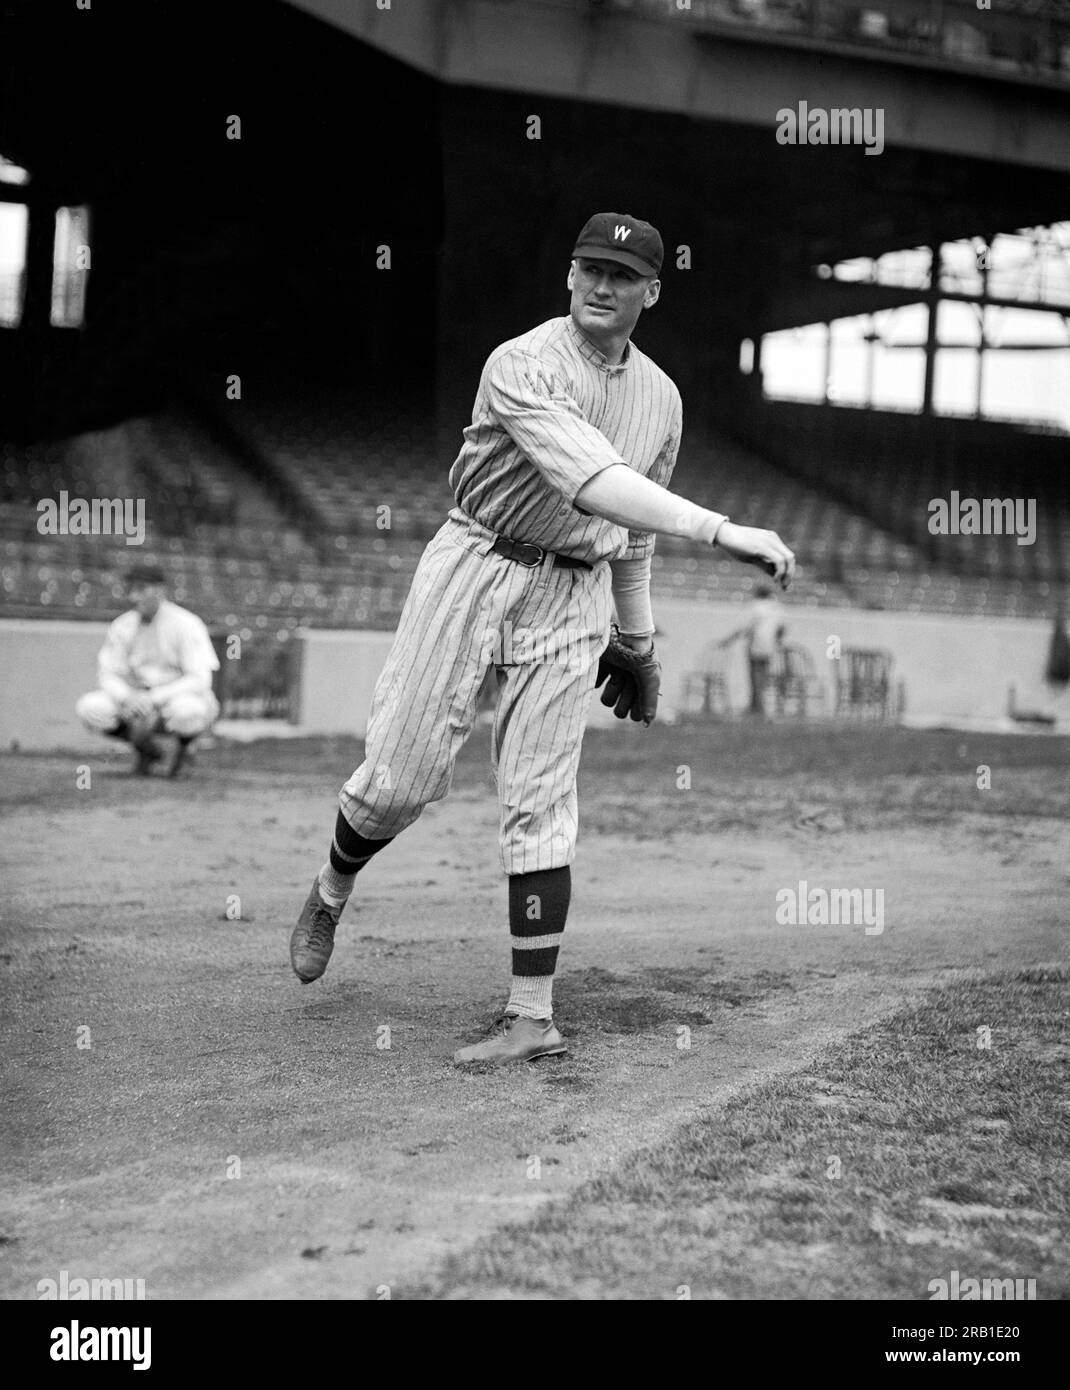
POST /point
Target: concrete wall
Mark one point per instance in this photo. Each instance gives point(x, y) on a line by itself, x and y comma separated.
point(337, 676)
point(44, 667)
point(959, 669)
point(953, 668)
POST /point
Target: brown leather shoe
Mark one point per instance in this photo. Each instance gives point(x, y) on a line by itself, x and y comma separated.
point(514, 1039)
point(312, 940)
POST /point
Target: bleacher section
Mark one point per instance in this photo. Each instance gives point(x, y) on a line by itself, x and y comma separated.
point(888, 468)
point(240, 556)
point(350, 465)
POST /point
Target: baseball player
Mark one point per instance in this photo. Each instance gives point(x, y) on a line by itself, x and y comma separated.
point(155, 675)
point(560, 487)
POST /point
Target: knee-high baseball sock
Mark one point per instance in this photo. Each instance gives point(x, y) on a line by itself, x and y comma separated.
point(538, 906)
point(349, 853)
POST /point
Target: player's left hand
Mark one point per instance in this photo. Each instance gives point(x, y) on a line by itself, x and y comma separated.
point(754, 546)
point(632, 680)
point(138, 705)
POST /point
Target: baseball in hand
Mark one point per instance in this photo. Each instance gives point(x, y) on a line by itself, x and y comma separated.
point(755, 546)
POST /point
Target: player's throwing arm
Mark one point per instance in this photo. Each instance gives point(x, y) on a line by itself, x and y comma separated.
point(627, 498)
point(629, 668)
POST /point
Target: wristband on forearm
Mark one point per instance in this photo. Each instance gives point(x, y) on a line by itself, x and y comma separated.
point(631, 596)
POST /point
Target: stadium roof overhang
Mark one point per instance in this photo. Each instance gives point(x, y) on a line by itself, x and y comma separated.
point(593, 52)
point(965, 153)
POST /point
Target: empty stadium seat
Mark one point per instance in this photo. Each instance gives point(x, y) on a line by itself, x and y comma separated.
point(237, 556)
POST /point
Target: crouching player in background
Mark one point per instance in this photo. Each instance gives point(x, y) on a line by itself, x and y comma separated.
point(155, 675)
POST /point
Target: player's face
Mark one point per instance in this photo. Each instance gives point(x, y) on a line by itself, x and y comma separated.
point(146, 599)
point(607, 297)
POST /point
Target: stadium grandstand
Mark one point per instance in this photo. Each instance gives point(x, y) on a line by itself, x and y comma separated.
point(1028, 38)
point(304, 498)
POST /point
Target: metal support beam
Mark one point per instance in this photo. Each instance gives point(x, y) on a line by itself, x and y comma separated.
point(932, 300)
point(836, 299)
point(982, 310)
point(871, 345)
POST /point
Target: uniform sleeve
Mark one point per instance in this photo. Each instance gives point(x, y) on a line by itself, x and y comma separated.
point(113, 663)
point(641, 543)
point(541, 417)
point(197, 659)
point(196, 651)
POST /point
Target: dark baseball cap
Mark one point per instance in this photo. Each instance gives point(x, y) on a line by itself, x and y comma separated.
point(144, 574)
point(617, 236)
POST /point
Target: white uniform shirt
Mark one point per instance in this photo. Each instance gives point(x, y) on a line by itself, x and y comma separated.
point(146, 655)
point(767, 617)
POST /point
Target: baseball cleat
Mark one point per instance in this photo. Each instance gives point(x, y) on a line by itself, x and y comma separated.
point(514, 1039)
point(312, 940)
point(148, 753)
point(181, 757)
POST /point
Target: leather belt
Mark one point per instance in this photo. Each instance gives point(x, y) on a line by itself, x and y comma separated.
point(531, 555)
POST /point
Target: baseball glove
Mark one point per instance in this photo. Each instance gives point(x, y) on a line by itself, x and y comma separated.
point(632, 681)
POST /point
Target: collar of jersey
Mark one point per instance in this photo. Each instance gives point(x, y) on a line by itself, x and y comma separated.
point(593, 354)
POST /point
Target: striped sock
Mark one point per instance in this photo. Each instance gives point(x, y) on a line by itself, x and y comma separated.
point(349, 853)
point(538, 906)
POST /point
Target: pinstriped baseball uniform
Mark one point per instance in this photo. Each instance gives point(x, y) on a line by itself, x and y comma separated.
point(550, 413)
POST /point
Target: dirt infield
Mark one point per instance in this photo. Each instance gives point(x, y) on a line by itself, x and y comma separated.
point(222, 1131)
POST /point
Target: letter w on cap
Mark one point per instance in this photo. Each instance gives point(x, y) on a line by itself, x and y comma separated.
point(621, 233)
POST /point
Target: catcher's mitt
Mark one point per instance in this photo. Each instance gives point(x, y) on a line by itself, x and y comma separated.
point(632, 681)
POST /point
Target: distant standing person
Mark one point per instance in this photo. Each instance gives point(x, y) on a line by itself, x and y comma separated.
point(155, 675)
point(764, 632)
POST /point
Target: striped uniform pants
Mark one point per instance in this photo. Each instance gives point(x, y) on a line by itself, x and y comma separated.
point(470, 610)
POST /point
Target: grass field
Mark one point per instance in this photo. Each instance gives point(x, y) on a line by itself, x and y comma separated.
point(181, 1110)
point(905, 1152)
